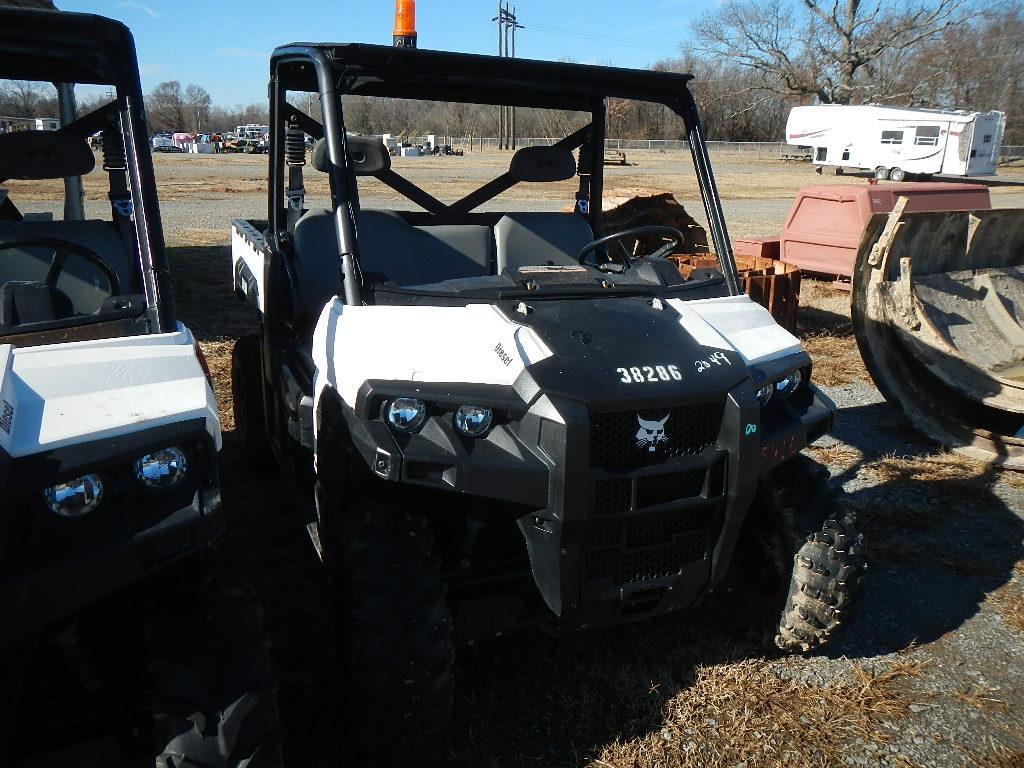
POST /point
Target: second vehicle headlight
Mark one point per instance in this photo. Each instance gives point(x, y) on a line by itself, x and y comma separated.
point(161, 469)
point(74, 498)
point(473, 420)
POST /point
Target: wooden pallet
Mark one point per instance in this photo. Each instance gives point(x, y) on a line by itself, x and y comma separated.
point(775, 285)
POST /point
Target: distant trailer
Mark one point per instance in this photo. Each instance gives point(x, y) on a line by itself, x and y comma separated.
point(898, 144)
point(8, 124)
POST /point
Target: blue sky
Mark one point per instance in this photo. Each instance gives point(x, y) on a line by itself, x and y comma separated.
point(224, 46)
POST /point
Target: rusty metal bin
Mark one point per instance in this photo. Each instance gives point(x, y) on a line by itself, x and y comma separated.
point(773, 284)
point(824, 227)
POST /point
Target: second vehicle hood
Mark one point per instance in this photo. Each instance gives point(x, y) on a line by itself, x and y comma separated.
point(62, 394)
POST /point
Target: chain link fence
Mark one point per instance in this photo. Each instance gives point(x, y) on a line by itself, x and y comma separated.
point(755, 148)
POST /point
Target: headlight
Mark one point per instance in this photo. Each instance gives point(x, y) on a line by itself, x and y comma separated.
point(473, 420)
point(764, 394)
point(74, 498)
point(406, 414)
point(161, 469)
point(790, 384)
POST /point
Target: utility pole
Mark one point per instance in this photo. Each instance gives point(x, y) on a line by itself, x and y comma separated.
point(500, 18)
point(507, 26)
point(514, 23)
point(506, 107)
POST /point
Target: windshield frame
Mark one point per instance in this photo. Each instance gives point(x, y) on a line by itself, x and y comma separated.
point(72, 48)
point(335, 70)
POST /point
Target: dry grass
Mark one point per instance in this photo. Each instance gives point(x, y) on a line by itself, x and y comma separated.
point(827, 334)
point(1000, 757)
point(1009, 601)
point(745, 713)
point(836, 360)
point(837, 456)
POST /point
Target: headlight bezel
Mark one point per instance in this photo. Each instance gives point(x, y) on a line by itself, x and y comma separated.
point(416, 424)
point(51, 502)
point(788, 385)
point(481, 431)
point(177, 455)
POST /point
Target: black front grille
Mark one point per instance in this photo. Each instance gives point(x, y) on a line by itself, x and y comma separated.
point(687, 431)
point(660, 489)
point(645, 546)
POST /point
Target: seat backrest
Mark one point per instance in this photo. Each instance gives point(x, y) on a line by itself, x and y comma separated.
point(388, 245)
point(534, 239)
point(81, 281)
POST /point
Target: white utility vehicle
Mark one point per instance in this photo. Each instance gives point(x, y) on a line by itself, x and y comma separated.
point(896, 143)
point(117, 644)
point(492, 416)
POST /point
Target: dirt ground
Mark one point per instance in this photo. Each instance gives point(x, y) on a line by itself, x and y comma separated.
point(929, 672)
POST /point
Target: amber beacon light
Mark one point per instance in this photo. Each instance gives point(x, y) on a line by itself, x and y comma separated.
point(405, 24)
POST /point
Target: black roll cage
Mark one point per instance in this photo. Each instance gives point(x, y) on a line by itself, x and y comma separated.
point(335, 70)
point(78, 48)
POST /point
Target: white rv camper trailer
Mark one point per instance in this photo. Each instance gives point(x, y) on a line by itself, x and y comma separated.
point(898, 143)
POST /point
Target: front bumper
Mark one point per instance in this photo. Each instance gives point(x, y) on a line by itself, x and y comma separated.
point(610, 538)
point(52, 567)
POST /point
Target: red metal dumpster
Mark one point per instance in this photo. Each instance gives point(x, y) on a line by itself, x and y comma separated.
point(825, 224)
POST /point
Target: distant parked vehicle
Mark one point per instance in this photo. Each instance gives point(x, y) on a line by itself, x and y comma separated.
point(248, 146)
point(163, 143)
point(899, 144)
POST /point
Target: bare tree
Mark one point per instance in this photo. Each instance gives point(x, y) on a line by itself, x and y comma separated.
point(817, 49)
point(23, 98)
point(198, 102)
point(165, 106)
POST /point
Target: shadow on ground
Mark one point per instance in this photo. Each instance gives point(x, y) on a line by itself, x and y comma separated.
point(941, 533)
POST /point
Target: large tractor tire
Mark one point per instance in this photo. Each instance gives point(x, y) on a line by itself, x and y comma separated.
point(214, 701)
point(820, 555)
point(393, 623)
point(247, 402)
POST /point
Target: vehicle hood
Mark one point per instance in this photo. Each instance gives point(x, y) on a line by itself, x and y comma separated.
point(61, 394)
point(582, 349)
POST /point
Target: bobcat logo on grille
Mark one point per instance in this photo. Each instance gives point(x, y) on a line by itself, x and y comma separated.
point(650, 433)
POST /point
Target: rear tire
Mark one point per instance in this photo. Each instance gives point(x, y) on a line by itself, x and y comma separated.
point(247, 401)
point(897, 174)
point(393, 623)
point(214, 703)
point(881, 173)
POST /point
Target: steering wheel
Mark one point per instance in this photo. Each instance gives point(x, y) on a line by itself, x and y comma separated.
point(674, 237)
point(61, 249)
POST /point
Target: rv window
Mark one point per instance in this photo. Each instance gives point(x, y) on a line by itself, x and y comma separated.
point(988, 138)
point(892, 137)
point(927, 135)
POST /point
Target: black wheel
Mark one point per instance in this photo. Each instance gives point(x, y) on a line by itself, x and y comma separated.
point(393, 623)
point(214, 703)
point(247, 402)
point(881, 173)
point(820, 555)
point(897, 174)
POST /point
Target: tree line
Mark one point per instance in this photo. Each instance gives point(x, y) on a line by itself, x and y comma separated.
point(752, 60)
